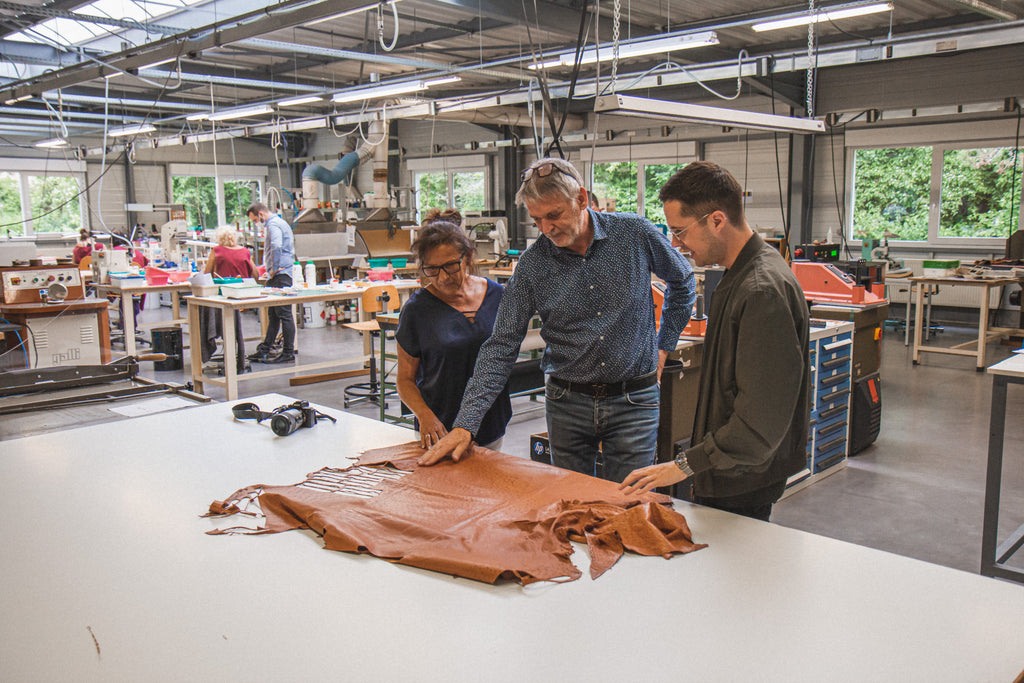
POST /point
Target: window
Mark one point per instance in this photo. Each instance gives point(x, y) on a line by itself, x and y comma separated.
point(936, 193)
point(656, 175)
point(55, 206)
point(238, 195)
point(463, 190)
point(199, 195)
point(468, 191)
point(11, 220)
point(616, 181)
point(891, 193)
point(431, 193)
point(35, 198)
point(980, 192)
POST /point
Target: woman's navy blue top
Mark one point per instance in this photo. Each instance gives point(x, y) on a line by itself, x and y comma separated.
point(446, 343)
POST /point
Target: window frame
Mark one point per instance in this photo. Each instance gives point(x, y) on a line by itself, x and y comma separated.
point(450, 166)
point(934, 241)
point(25, 168)
point(237, 172)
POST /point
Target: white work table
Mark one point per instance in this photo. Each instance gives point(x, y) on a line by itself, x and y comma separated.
point(100, 530)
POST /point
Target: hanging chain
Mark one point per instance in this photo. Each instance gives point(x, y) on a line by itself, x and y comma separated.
point(811, 36)
point(615, 41)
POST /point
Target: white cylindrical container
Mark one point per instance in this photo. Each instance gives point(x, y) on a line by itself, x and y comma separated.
point(310, 273)
point(314, 314)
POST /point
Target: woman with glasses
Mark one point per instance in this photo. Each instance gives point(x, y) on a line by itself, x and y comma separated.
point(440, 331)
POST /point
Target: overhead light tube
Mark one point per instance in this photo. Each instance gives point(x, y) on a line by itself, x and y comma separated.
point(135, 129)
point(441, 81)
point(296, 101)
point(241, 113)
point(378, 91)
point(823, 15)
point(55, 142)
point(604, 53)
point(346, 13)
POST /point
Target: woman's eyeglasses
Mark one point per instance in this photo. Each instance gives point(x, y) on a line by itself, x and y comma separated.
point(451, 268)
point(544, 170)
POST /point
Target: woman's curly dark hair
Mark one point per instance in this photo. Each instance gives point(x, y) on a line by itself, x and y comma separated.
point(440, 228)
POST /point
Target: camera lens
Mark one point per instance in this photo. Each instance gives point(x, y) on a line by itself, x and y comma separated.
point(286, 422)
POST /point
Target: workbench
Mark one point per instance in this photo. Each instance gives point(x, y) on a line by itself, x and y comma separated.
point(229, 382)
point(108, 543)
point(995, 556)
point(985, 333)
point(124, 294)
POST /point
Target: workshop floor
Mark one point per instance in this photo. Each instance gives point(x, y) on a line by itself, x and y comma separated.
point(917, 491)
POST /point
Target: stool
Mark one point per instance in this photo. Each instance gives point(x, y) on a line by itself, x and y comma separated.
point(375, 300)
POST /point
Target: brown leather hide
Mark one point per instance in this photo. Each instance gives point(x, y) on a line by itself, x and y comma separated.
point(488, 517)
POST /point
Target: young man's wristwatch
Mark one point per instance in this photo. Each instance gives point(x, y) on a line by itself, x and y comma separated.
point(683, 465)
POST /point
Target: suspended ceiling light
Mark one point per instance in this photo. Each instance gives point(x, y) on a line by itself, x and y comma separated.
point(346, 13)
point(241, 113)
point(202, 116)
point(638, 48)
point(386, 90)
point(54, 142)
point(441, 81)
point(644, 107)
point(135, 129)
point(823, 15)
point(160, 63)
point(296, 101)
point(15, 100)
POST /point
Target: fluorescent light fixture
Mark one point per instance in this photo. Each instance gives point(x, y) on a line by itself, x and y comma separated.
point(823, 15)
point(241, 113)
point(637, 48)
point(134, 129)
point(644, 107)
point(346, 13)
point(377, 91)
point(198, 117)
point(441, 81)
point(296, 101)
point(55, 142)
point(15, 100)
point(162, 61)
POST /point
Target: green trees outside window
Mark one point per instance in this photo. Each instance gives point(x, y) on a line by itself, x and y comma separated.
point(468, 191)
point(616, 180)
point(978, 192)
point(55, 206)
point(981, 192)
point(238, 195)
point(10, 205)
point(891, 190)
point(463, 190)
point(656, 175)
point(199, 195)
point(431, 193)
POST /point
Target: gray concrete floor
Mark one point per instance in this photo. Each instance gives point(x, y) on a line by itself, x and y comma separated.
point(917, 491)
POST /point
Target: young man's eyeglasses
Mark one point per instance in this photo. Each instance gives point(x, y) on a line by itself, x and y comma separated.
point(680, 233)
point(451, 268)
point(544, 170)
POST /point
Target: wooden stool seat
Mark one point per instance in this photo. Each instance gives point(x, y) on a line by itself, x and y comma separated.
point(364, 326)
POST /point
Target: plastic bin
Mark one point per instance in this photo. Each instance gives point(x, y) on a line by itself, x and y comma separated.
point(167, 340)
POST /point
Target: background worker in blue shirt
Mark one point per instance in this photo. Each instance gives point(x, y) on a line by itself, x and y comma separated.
point(278, 257)
point(589, 279)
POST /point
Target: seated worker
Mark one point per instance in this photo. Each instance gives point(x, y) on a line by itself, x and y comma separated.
point(84, 246)
point(750, 429)
point(588, 277)
point(441, 329)
point(226, 259)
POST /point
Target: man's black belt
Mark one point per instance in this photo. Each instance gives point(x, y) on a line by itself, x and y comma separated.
point(611, 389)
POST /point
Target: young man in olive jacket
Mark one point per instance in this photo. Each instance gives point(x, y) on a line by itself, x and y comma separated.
point(750, 430)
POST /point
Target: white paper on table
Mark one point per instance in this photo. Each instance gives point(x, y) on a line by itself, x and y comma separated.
point(158, 405)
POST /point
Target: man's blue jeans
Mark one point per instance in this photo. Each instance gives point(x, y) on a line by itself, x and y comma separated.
point(626, 426)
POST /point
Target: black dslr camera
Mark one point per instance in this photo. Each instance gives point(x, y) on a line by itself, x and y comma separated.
point(284, 419)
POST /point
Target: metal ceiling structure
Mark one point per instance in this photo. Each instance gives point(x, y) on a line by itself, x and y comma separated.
point(69, 68)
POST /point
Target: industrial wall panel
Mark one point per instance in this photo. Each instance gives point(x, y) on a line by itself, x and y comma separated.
point(107, 196)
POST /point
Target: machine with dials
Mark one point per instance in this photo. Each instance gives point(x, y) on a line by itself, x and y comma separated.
point(60, 326)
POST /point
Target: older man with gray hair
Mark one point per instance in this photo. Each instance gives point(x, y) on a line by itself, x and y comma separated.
point(589, 278)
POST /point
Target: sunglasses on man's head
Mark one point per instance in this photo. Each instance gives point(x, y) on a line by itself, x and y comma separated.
point(544, 170)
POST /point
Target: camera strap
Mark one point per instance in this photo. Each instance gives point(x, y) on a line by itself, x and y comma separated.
point(249, 411)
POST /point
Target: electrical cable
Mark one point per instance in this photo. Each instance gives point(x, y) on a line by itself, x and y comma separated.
point(380, 25)
point(778, 166)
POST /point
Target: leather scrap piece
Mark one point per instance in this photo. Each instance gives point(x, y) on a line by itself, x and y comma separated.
point(490, 517)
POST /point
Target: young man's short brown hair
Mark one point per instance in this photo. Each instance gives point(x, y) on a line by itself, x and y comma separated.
point(703, 187)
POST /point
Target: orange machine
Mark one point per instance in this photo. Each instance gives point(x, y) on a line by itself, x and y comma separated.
point(824, 283)
point(698, 322)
